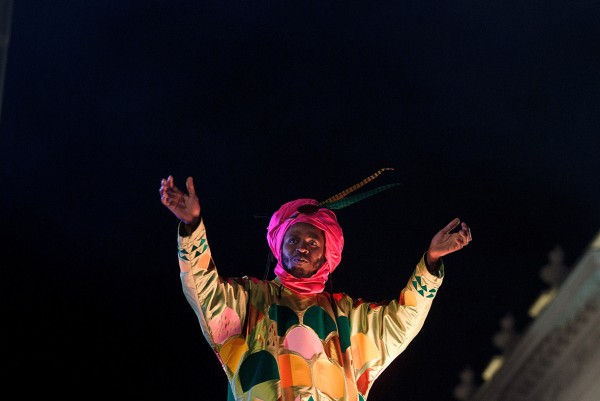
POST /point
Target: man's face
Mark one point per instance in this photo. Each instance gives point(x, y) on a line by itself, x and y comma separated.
point(303, 251)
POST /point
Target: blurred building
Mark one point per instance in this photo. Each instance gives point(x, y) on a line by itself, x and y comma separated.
point(557, 358)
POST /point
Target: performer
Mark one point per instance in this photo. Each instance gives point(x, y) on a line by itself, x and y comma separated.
point(288, 338)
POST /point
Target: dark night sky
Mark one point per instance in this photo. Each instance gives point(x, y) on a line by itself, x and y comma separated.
point(488, 111)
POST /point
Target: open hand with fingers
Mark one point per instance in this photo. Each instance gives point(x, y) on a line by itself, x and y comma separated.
point(446, 241)
point(185, 206)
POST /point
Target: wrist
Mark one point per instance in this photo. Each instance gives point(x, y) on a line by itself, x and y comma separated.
point(189, 228)
point(432, 263)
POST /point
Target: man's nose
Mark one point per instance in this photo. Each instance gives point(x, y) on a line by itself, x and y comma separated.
point(302, 248)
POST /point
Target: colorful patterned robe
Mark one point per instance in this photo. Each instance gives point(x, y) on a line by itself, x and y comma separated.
point(278, 345)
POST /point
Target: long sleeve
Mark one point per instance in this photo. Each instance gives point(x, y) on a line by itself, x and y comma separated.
point(379, 332)
point(220, 305)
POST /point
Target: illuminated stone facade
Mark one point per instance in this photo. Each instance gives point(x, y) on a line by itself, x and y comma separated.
point(558, 357)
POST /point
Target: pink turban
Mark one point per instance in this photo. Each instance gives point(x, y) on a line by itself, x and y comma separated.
point(325, 220)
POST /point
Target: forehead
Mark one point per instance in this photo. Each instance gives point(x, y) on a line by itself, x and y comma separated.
point(304, 229)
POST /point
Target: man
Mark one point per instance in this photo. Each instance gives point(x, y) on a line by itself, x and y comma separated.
point(288, 339)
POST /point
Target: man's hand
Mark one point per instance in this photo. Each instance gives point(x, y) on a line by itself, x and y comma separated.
point(445, 242)
point(185, 206)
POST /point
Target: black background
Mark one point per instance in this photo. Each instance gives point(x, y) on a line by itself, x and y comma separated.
point(487, 110)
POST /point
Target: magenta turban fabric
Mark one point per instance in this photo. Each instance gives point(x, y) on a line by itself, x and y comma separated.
point(324, 219)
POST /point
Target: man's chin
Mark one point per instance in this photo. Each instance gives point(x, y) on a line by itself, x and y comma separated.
point(300, 273)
